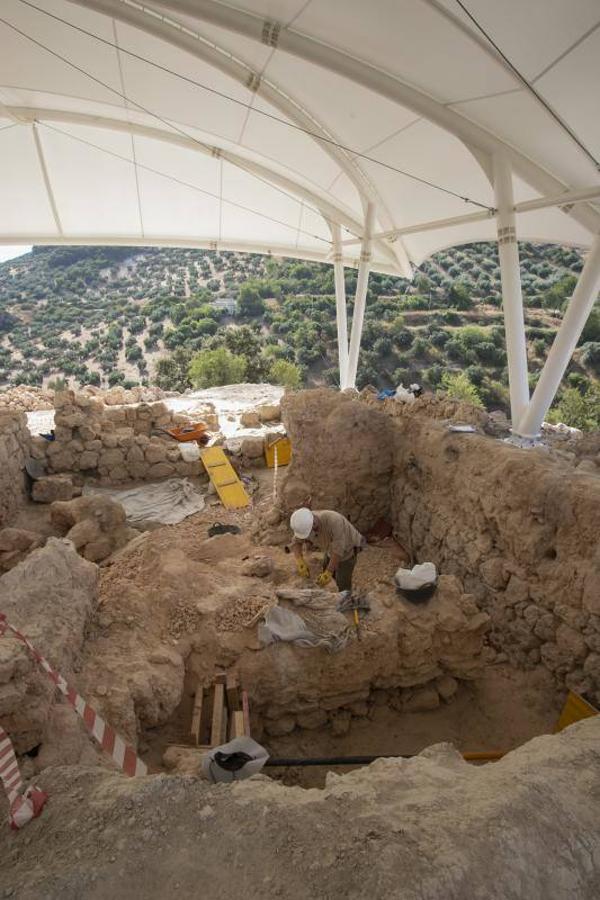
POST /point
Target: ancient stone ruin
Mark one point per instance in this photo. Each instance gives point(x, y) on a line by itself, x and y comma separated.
point(144, 623)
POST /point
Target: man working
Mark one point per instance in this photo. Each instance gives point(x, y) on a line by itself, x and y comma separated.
point(332, 533)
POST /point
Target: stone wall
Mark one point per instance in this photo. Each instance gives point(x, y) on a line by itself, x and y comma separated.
point(15, 442)
point(519, 527)
point(342, 456)
point(115, 443)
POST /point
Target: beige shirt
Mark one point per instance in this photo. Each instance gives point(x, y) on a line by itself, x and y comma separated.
point(336, 536)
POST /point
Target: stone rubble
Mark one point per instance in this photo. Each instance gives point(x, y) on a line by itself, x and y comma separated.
point(50, 597)
point(95, 525)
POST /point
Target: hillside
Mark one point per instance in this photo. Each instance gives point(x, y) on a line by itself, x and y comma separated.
point(107, 315)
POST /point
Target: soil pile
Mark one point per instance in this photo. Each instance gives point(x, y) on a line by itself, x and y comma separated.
point(424, 828)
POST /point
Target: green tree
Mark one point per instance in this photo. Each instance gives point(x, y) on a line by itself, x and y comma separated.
point(286, 374)
point(250, 302)
point(210, 368)
point(172, 372)
point(116, 377)
point(458, 387)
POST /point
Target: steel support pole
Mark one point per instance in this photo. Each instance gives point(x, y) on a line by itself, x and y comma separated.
point(512, 299)
point(340, 303)
point(361, 296)
point(578, 310)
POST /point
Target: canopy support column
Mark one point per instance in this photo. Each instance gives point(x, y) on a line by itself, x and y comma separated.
point(512, 298)
point(340, 303)
point(578, 310)
point(361, 296)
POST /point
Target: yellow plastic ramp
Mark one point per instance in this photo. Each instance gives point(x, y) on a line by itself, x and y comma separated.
point(220, 471)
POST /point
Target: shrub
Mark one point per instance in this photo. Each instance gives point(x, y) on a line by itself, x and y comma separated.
point(591, 329)
point(576, 409)
point(458, 387)
point(211, 368)
point(286, 374)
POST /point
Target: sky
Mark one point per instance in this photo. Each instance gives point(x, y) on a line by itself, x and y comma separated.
point(8, 251)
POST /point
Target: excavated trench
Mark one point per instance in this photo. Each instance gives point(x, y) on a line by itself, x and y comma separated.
point(418, 675)
point(485, 663)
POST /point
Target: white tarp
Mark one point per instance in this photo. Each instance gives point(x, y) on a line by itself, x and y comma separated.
point(166, 502)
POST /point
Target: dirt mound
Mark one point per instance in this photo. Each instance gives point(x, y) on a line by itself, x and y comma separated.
point(425, 828)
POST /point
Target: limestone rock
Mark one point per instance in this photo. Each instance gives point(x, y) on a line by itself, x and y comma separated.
point(161, 470)
point(315, 718)
point(340, 722)
point(421, 700)
point(278, 727)
point(49, 596)
point(252, 447)
point(250, 419)
point(15, 544)
point(87, 461)
point(260, 567)
point(51, 488)
point(156, 453)
point(269, 413)
point(446, 687)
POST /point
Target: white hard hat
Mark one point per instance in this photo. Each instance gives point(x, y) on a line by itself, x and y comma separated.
point(301, 523)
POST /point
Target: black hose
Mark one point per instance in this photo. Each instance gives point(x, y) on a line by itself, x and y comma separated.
point(332, 760)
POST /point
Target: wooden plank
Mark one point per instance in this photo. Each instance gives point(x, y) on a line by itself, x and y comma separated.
point(233, 691)
point(197, 714)
point(237, 725)
point(216, 731)
point(220, 471)
point(246, 713)
point(224, 726)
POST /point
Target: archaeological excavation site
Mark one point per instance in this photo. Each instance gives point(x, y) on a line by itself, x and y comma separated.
point(185, 706)
point(299, 450)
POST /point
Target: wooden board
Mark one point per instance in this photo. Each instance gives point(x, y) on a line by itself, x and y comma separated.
point(230, 489)
point(246, 713)
point(216, 731)
point(197, 714)
point(233, 692)
point(236, 728)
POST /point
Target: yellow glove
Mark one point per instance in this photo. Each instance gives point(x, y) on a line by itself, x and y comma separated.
point(324, 578)
point(302, 568)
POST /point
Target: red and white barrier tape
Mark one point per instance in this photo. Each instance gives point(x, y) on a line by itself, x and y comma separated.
point(24, 805)
point(122, 753)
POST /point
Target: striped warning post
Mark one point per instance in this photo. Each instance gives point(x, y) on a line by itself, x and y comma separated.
point(9, 767)
point(23, 805)
point(112, 743)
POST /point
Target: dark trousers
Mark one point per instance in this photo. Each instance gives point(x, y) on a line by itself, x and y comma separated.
point(343, 573)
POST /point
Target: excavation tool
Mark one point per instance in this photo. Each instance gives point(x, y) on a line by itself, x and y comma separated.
point(353, 603)
point(196, 431)
point(221, 473)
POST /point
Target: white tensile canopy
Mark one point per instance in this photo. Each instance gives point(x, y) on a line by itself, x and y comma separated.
point(366, 134)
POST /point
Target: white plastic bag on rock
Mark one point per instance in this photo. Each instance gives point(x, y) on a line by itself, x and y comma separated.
point(419, 576)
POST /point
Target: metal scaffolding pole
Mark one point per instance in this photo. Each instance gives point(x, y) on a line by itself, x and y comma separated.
point(361, 296)
point(578, 310)
point(340, 303)
point(512, 299)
